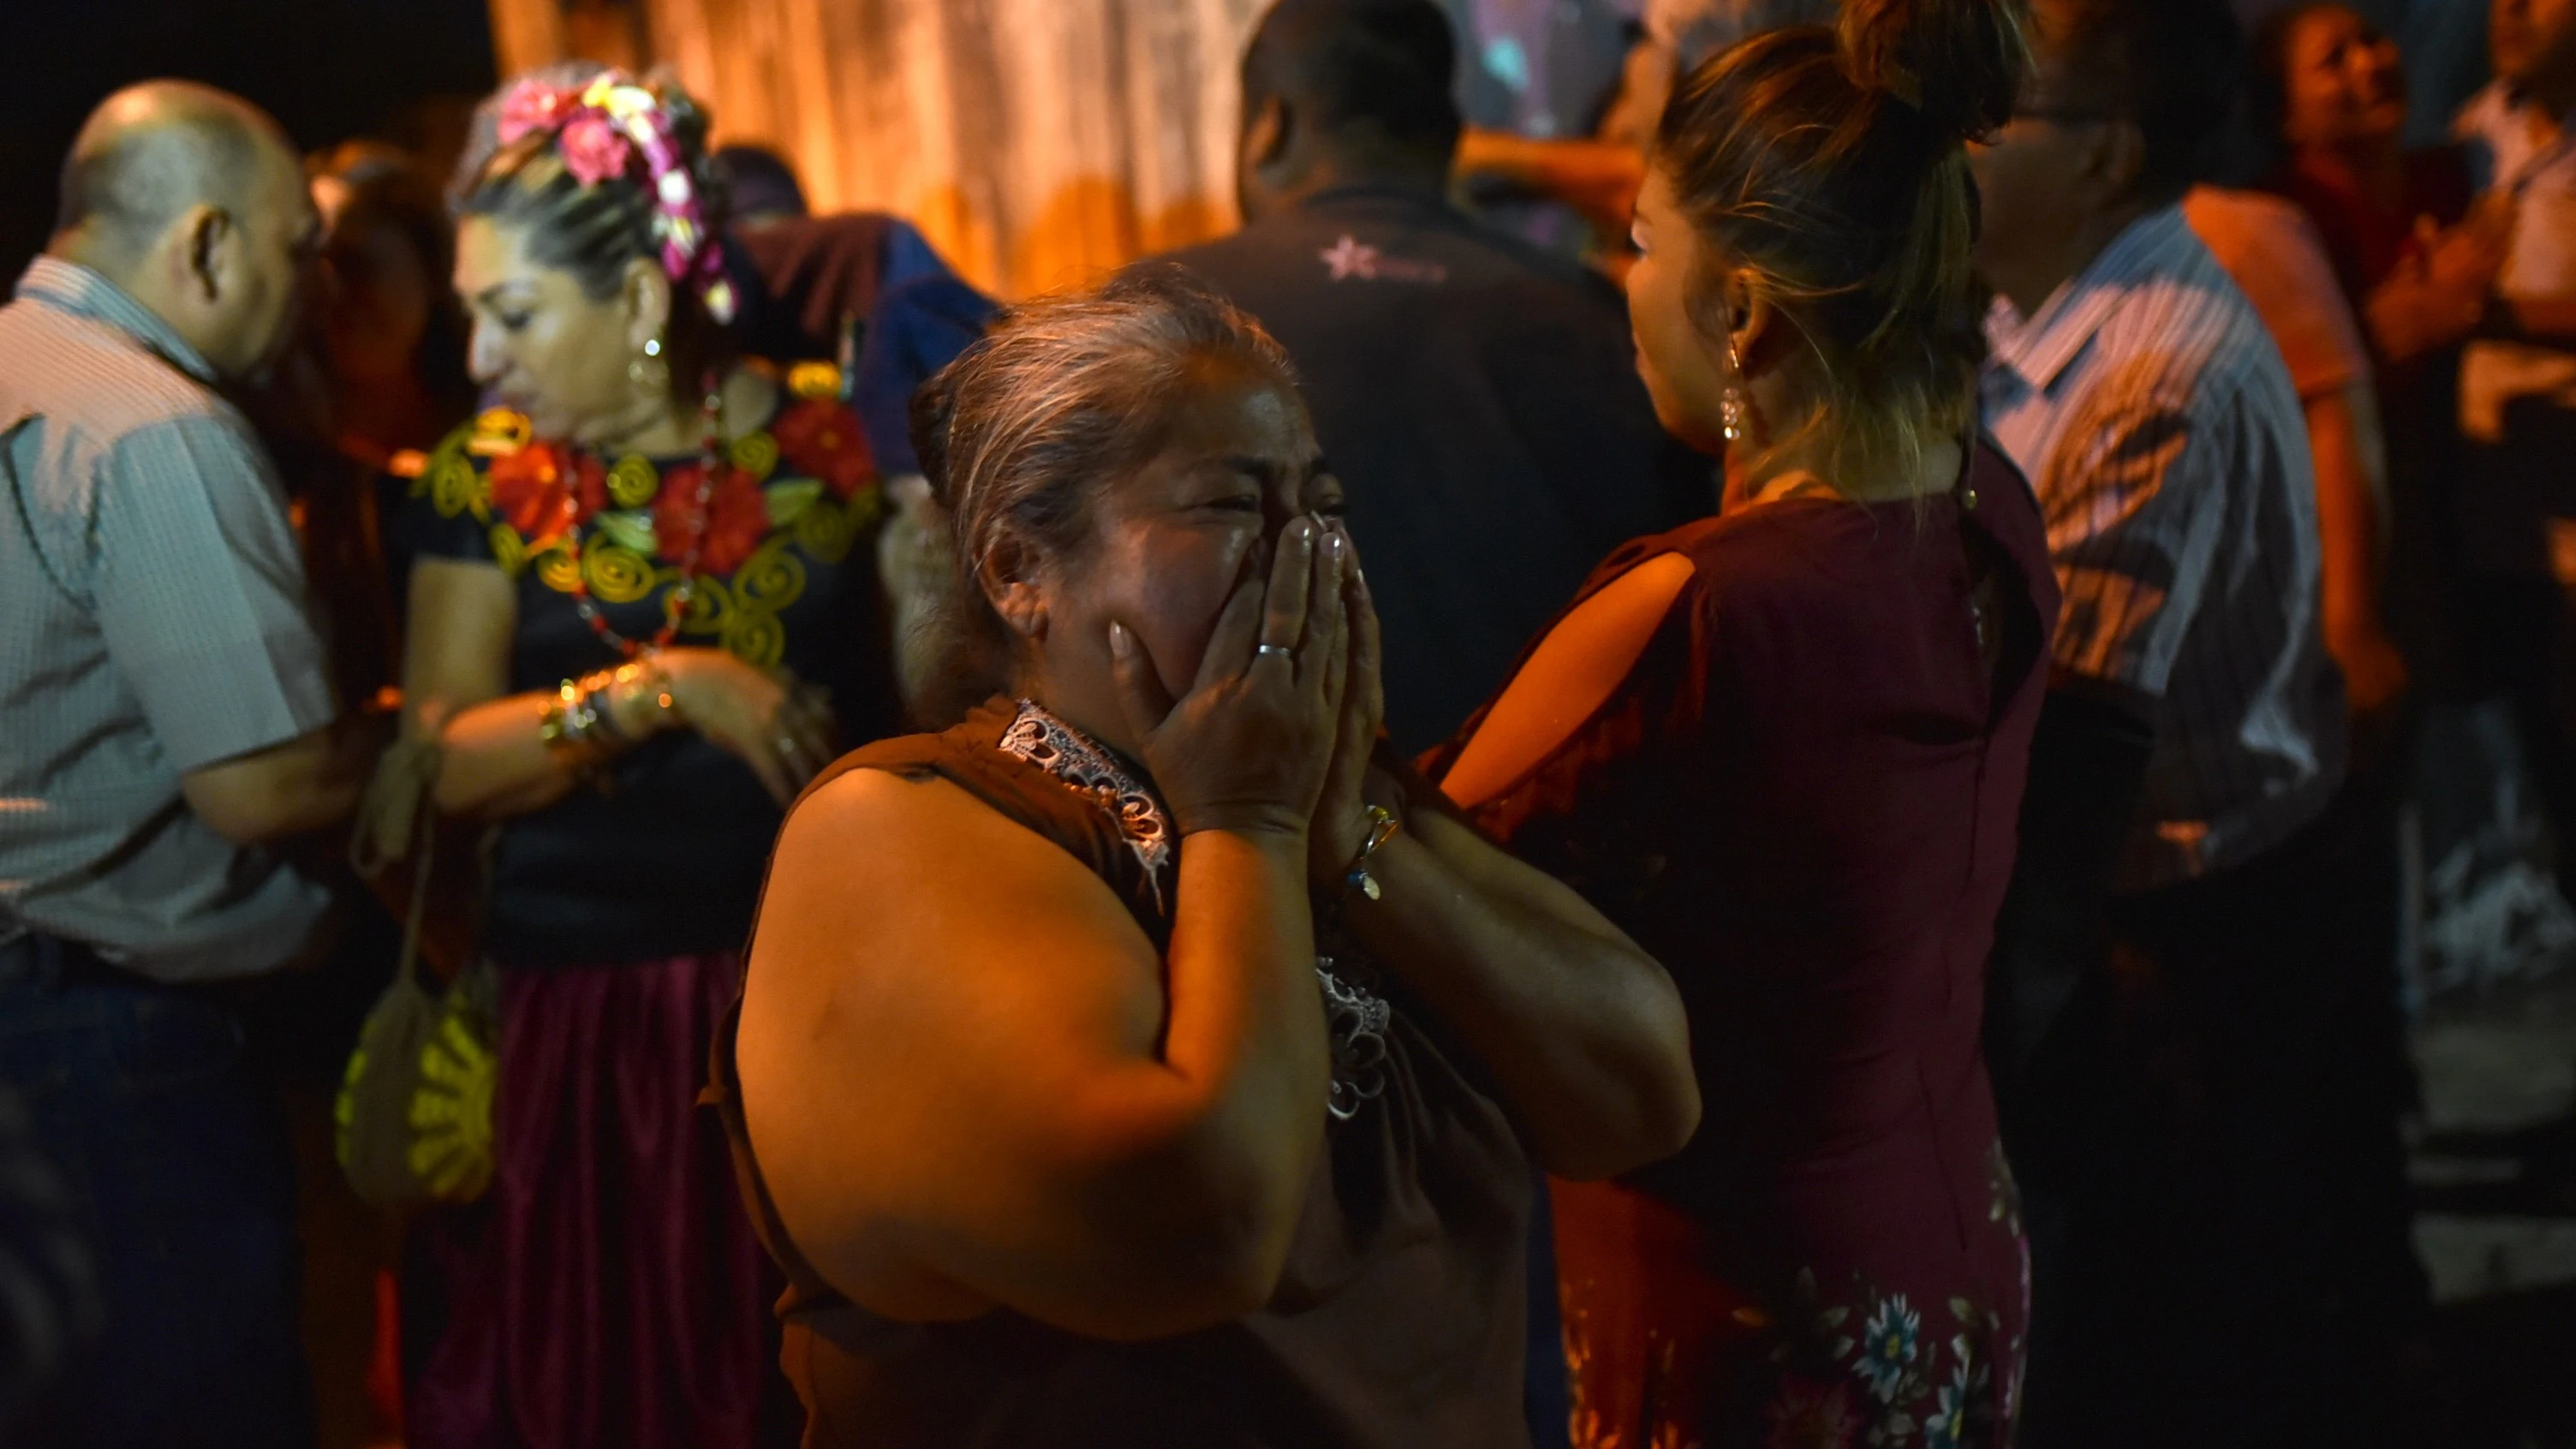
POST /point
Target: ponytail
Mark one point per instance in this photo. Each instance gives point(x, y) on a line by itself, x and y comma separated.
point(1830, 164)
point(1959, 62)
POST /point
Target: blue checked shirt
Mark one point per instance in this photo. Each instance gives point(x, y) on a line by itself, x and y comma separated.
point(152, 622)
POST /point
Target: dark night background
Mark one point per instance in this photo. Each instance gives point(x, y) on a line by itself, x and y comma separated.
point(327, 69)
point(2495, 1144)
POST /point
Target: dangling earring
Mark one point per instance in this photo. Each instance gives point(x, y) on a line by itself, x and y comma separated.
point(650, 373)
point(1730, 403)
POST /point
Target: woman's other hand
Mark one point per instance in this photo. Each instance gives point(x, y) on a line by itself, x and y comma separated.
point(1341, 824)
point(1249, 747)
point(779, 728)
point(2442, 291)
point(2467, 258)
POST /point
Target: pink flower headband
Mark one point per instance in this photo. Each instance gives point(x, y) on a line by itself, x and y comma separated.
point(599, 128)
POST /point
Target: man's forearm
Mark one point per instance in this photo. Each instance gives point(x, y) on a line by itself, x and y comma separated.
point(307, 784)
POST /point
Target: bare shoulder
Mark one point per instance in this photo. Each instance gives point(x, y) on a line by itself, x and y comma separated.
point(963, 977)
point(890, 884)
point(898, 830)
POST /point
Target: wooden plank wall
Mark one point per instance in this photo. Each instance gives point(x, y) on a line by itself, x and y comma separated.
point(1037, 143)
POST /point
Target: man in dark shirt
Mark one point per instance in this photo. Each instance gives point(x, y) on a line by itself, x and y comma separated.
point(1477, 397)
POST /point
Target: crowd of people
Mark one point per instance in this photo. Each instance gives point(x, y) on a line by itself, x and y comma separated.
point(1362, 835)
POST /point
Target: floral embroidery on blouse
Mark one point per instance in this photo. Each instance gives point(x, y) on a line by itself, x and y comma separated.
point(803, 488)
point(1355, 1018)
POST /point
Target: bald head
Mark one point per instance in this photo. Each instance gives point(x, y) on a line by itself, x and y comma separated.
point(193, 202)
point(1345, 92)
point(152, 152)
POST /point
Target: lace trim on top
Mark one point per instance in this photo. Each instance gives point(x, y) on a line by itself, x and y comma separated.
point(1355, 1018)
point(1066, 753)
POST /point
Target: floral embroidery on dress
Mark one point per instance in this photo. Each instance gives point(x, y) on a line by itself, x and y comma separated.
point(1807, 1415)
point(1355, 1018)
point(1947, 1427)
point(1887, 1347)
point(1902, 1384)
point(805, 485)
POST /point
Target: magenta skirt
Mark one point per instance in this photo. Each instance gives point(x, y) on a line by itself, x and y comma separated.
point(608, 1291)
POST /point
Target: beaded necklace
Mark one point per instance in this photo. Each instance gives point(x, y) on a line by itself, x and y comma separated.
point(675, 608)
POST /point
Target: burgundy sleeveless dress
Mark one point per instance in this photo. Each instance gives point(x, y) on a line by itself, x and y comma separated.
point(1802, 800)
point(1398, 1322)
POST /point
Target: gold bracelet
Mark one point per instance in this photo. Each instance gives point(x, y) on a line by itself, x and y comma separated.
point(579, 725)
point(1382, 828)
point(646, 673)
point(569, 725)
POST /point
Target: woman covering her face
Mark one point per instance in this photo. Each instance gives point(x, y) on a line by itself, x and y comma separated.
point(1784, 750)
point(644, 599)
point(1140, 1060)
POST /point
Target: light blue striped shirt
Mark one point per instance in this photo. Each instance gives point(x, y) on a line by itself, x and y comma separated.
point(2156, 420)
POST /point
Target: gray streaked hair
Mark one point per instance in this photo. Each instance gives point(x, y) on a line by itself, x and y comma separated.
point(1021, 434)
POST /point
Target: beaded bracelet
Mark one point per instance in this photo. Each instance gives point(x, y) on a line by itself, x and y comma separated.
point(570, 725)
point(579, 725)
point(644, 670)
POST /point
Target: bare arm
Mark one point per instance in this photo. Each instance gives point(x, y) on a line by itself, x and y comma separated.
point(309, 783)
point(1582, 1030)
point(2343, 433)
point(2410, 315)
point(2440, 294)
point(456, 670)
point(494, 762)
point(1048, 1127)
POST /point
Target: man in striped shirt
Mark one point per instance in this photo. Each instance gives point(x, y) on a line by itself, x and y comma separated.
point(2158, 1095)
point(165, 720)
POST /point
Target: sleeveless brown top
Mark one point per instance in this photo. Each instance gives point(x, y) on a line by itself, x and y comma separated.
point(1399, 1318)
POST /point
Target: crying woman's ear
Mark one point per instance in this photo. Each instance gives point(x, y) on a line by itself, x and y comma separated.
point(1008, 582)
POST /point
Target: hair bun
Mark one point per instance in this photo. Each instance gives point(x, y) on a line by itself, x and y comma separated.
point(1959, 62)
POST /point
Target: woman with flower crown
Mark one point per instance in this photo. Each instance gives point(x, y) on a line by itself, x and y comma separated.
point(644, 611)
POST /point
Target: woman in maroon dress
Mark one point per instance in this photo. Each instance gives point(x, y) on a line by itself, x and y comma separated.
point(1784, 749)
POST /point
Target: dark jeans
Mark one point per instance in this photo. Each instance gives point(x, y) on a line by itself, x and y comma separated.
point(179, 1167)
point(2210, 1167)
